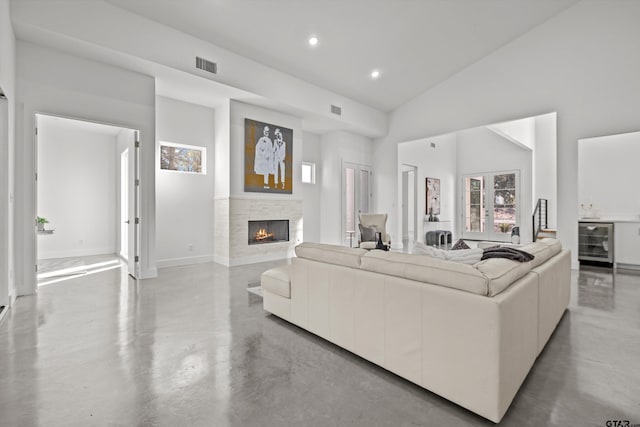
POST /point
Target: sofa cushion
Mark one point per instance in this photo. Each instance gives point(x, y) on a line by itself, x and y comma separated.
point(427, 270)
point(542, 250)
point(465, 256)
point(331, 254)
point(554, 245)
point(277, 281)
point(502, 272)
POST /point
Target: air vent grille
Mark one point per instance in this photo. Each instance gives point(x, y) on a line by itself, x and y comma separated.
point(205, 65)
point(336, 110)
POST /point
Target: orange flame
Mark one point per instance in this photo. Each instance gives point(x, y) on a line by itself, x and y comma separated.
point(263, 235)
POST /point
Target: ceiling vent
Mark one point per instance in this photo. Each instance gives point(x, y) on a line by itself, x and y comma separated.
point(208, 66)
point(336, 110)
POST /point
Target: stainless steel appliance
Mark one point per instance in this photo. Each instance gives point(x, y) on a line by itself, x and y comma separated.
point(595, 241)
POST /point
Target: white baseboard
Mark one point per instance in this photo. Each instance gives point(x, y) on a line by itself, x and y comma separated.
point(176, 262)
point(221, 260)
point(149, 273)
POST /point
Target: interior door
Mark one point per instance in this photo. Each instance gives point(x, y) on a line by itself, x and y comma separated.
point(124, 204)
point(356, 198)
point(491, 205)
point(133, 205)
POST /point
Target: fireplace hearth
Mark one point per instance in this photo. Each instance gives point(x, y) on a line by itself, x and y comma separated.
point(268, 231)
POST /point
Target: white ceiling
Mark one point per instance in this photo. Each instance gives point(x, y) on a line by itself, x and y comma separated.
point(415, 44)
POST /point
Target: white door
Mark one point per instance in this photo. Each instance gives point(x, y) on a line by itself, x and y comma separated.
point(124, 204)
point(356, 197)
point(133, 205)
point(491, 205)
point(4, 203)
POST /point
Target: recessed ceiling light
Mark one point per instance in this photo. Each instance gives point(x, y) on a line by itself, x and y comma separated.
point(375, 74)
point(313, 40)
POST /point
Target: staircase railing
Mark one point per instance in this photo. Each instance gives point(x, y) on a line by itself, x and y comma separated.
point(539, 217)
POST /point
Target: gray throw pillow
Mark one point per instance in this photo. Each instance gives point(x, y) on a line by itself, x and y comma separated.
point(460, 244)
point(367, 234)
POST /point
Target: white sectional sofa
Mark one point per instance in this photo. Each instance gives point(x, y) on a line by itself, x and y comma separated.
point(469, 333)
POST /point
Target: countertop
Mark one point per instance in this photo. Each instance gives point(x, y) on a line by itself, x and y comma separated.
point(611, 219)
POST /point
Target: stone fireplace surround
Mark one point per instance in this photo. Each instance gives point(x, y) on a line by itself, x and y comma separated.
point(232, 216)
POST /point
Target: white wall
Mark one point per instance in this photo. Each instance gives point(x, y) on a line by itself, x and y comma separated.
point(566, 65)
point(480, 150)
point(184, 201)
point(76, 192)
point(438, 162)
point(312, 193)
point(545, 185)
point(53, 82)
point(222, 144)
point(336, 148)
point(7, 162)
point(608, 175)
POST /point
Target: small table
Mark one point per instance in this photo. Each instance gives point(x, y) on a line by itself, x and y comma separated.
point(351, 233)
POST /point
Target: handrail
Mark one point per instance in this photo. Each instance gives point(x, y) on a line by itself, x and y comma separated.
point(540, 213)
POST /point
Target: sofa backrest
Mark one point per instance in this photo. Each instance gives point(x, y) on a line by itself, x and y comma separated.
point(488, 277)
point(331, 254)
point(426, 269)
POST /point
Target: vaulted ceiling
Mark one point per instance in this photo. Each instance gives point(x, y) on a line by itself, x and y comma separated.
point(415, 44)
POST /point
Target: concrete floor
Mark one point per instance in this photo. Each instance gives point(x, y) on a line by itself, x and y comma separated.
point(193, 347)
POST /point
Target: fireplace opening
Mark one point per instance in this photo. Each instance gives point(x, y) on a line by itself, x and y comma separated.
point(269, 231)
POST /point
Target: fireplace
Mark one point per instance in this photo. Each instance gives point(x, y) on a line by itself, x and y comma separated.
point(268, 231)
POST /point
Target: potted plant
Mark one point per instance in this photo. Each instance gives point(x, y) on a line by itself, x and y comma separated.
point(504, 227)
point(41, 222)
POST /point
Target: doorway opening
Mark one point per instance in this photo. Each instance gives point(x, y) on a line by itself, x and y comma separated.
point(356, 197)
point(86, 197)
point(489, 179)
point(409, 206)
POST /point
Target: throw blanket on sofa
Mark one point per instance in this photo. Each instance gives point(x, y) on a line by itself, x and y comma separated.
point(508, 253)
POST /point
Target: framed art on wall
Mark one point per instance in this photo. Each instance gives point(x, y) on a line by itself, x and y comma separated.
point(268, 158)
point(433, 196)
point(183, 158)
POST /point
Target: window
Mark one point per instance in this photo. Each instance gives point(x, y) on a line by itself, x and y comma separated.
point(308, 173)
point(183, 158)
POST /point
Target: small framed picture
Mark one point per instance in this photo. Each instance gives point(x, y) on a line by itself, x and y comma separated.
point(183, 158)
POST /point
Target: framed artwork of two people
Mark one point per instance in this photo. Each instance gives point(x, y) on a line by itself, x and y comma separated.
point(268, 158)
